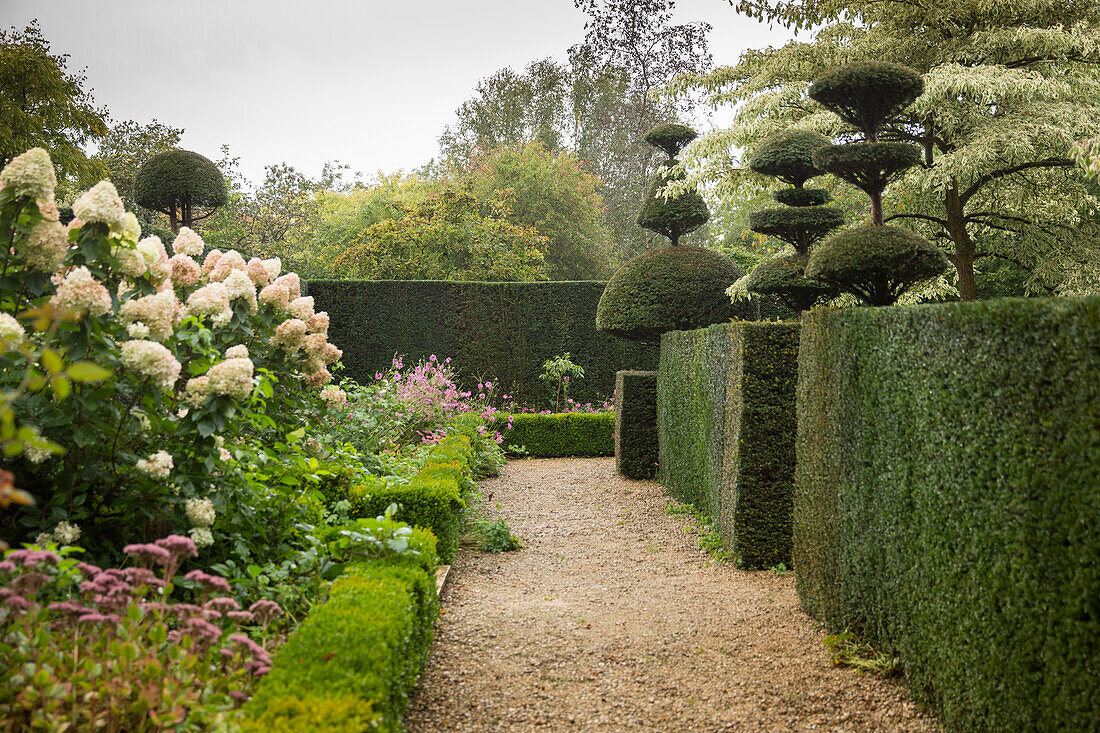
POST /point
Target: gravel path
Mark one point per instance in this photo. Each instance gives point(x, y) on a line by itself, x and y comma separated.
point(611, 618)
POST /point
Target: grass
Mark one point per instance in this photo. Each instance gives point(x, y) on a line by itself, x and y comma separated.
point(849, 651)
point(710, 539)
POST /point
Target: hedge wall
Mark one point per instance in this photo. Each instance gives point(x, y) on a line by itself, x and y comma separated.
point(501, 330)
point(726, 425)
point(947, 501)
point(584, 435)
point(636, 424)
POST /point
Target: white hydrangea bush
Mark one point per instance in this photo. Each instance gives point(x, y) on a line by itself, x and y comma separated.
point(198, 343)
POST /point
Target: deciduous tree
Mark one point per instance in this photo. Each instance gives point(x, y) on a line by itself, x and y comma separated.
point(1009, 88)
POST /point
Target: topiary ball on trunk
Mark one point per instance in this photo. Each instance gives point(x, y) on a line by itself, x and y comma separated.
point(867, 93)
point(671, 138)
point(670, 289)
point(788, 156)
point(876, 264)
point(784, 276)
point(675, 216)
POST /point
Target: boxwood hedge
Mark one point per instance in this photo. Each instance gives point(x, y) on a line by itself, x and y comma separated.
point(501, 330)
point(726, 424)
point(636, 424)
point(947, 504)
point(584, 435)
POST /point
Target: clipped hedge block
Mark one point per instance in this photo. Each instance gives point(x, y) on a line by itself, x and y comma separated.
point(583, 435)
point(947, 506)
point(726, 425)
point(490, 330)
point(432, 499)
point(636, 424)
point(356, 658)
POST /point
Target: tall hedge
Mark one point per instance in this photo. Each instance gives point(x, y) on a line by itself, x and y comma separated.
point(501, 330)
point(726, 425)
point(636, 424)
point(947, 502)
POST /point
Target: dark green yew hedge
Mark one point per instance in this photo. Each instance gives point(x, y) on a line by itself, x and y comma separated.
point(726, 424)
point(636, 424)
point(490, 330)
point(948, 500)
point(584, 435)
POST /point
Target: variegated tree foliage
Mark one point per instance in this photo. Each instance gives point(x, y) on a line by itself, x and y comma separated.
point(1010, 87)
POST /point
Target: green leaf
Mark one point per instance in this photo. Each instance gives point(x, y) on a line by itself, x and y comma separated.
point(62, 387)
point(296, 435)
point(86, 371)
point(52, 361)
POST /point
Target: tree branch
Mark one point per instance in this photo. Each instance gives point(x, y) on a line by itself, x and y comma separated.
point(1001, 173)
point(924, 217)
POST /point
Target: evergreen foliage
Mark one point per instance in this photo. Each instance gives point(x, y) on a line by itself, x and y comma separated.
point(636, 424)
point(498, 331)
point(950, 515)
point(669, 289)
point(788, 156)
point(876, 264)
point(801, 226)
point(679, 214)
point(784, 276)
point(867, 93)
point(671, 138)
point(726, 426)
point(179, 183)
point(581, 434)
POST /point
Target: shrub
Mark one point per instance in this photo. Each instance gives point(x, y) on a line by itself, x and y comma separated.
point(726, 424)
point(670, 289)
point(671, 214)
point(636, 424)
point(361, 651)
point(951, 515)
point(557, 435)
point(502, 330)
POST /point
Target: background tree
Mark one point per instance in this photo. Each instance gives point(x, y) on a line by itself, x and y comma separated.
point(553, 193)
point(598, 105)
point(180, 183)
point(450, 236)
point(43, 105)
point(1009, 87)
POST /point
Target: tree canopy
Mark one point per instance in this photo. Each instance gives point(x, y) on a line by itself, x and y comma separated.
point(450, 236)
point(1009, 87)
point(44, 105)
point(180, 183)
point(556, 195)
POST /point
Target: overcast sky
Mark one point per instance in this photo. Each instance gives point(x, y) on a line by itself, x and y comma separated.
point(369, 82)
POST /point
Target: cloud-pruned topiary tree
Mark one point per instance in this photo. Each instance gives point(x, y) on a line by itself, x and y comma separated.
point(679, 213)
point(875, 263)
point(179, 183)
point(675, 287)
point(803, 219)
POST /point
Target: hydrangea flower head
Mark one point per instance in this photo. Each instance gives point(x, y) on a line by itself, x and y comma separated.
point(232, 377)
point(185, 271)
point(188, 242)
point(11, 332)
point(30, 174)
point(81, 292)
point(101, 203)
point(158, 465)
point(239, 285)
point(153, 360)
point(46, 247)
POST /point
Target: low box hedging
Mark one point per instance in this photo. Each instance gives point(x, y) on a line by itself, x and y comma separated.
point(432, 499)
point(947, 506)
point(351, 665)
point(491, 330)
point(584, 435)
point(636, 424)
point(726, 424)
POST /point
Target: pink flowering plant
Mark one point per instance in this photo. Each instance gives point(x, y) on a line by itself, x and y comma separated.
point(133, 373)
point(87, 648)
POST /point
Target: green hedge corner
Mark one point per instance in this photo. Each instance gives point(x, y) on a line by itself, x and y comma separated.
point(636, 424)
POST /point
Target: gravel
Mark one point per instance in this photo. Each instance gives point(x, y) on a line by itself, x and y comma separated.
point(612, 619)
